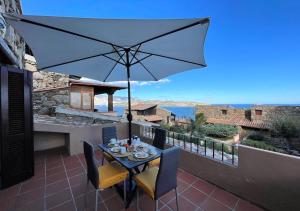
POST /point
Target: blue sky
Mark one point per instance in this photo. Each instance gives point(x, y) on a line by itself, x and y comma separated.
point(252, 48)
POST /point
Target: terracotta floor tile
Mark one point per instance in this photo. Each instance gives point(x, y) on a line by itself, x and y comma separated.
point(36, 205)
point(212, 205)
point(54, 165)
point(9, 192)
point(82, 189)
point(115, 203)
point(243, 205)
point(224, 197)
point(8, 205)
point(78, 180)
point(204, 186)
point(55, 170)
point(168, 197)
point(147, 204)
point(87, 202)
point(194, 195)
point(68, 206)
point(58, 198)
point(55, 178)
point(32, 184)
point(72, 165)
point(188, 178)
point(29, 196)
point(56, 187)
point(181, 186)
point(108, 193)
point(75, 171)
point(183, 204)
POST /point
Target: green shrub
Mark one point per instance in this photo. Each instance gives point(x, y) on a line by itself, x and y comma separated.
point(261, 145)
point(284, 125)
point(218, 130)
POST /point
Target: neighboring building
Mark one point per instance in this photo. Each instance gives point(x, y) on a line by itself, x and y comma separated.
point(151, 113)
point(256, 117)
point(54, 89)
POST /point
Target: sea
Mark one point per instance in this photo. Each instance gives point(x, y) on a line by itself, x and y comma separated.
point(187, 111)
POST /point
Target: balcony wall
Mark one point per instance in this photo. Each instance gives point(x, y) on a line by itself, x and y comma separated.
point(49, 132)
point(268, 179)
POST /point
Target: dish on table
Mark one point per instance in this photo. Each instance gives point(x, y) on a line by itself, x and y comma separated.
point(141, 155)
point(115, 149)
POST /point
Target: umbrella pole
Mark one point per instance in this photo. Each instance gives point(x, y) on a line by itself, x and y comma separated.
point(129, 115)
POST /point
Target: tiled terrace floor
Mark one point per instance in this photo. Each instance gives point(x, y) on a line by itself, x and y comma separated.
point(60, 184)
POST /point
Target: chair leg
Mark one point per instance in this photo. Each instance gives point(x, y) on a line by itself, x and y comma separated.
point(156, 205)
point(102, 160)
point(176, 199)
point(137, 198)
point(125, 190)
point(96, 205)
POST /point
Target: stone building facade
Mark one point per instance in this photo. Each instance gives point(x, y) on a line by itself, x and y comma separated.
point(14, 42)
point(256, 117)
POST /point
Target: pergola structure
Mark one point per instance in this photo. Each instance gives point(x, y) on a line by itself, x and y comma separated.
point(95, 89)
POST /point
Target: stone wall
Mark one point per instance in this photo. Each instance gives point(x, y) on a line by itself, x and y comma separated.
point(49, 80)
point(269, 111)
point(13, 40)
point(49, 90)
point(216, 112)
point(45, 101)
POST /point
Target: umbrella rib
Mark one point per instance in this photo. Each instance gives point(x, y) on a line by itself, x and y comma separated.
point(168, 57)
point(76, 60)
point(145, 67)
point(135, 53)
point(67, 31)
point(113, 68)
point(117, 61)
point(203, 21)
point(140, 59)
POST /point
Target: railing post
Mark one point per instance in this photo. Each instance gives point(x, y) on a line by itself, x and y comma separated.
point(173, 137)
point(232, 153)
point(222, 151)
point(213, 149)
point(205, 147)
point(198, 145)
point(152, 133)
point(191, 144)
point(183, 141)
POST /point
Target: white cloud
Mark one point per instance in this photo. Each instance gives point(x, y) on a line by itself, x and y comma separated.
point(133, 83)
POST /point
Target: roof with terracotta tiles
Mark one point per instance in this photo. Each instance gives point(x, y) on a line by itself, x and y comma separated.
point(142, 107)
point(153, 118)
point(240, 122)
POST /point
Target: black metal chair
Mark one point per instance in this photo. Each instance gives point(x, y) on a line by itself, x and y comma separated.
point(156, 182)
point(110, 174)
point(107, 134)
point(159, 142)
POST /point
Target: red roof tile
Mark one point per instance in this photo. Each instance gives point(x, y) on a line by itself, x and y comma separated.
point(153, 118)
point(141, 107)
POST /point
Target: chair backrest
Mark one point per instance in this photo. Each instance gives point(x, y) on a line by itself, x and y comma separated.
point(160, 138)
point(167, 175)
point(108, 133)
point(92, 169)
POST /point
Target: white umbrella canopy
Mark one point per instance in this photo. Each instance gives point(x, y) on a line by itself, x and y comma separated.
point(114, 49)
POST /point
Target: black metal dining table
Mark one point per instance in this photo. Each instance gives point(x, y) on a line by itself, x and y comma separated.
point(133, 168)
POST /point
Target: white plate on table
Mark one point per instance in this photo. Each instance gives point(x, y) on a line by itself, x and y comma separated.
point(115, 149)
point(141, 155)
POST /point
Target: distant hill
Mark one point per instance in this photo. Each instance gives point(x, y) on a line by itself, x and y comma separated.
point(122, 101)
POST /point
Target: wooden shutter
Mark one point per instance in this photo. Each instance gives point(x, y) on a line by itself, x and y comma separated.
point(16, 126)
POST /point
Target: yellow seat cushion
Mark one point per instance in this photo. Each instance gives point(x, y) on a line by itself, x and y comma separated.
point(146, 180)
point(154, 163)
point(111, 174)
point(108, 157)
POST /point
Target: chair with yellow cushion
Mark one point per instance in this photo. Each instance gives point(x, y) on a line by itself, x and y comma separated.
point(104, 176)
point(159, 141)
point(155, 181)
point(107, 134)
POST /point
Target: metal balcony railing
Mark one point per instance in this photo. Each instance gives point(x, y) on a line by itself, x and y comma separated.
point(204, 146)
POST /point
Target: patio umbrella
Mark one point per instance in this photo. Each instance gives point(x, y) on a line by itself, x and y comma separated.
point(114, 49)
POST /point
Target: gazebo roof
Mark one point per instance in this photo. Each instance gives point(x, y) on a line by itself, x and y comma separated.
point(99, 88)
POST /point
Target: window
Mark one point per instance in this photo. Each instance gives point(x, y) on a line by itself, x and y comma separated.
point(81, 98)
point(224, 112)
point(258, 112)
